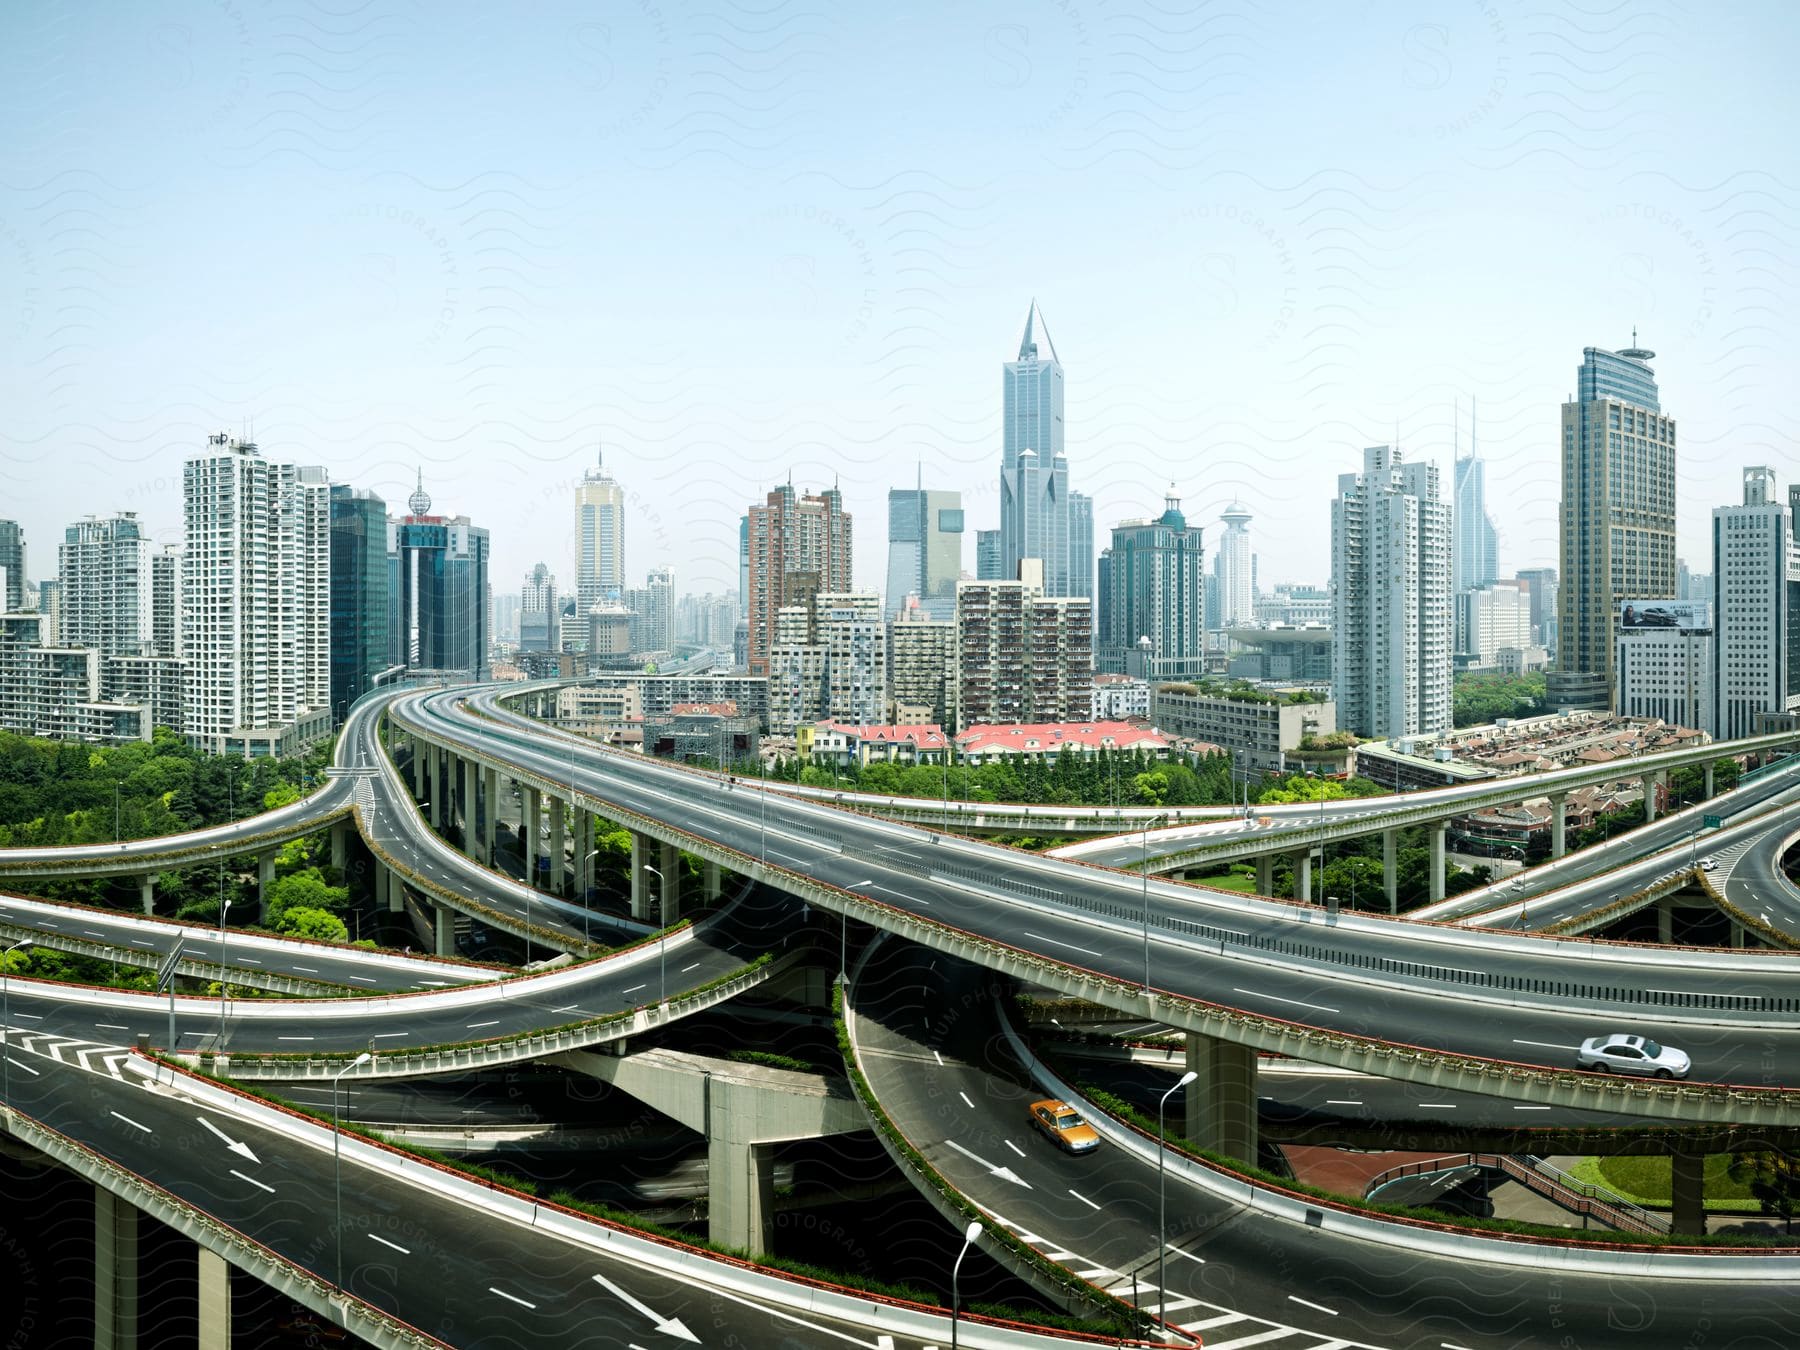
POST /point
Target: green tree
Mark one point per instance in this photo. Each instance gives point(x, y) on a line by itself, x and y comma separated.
point(307, 922)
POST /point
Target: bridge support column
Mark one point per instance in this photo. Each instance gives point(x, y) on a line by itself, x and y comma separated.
point(392, 889)
point(1265, 874)
point(115, 1272)
point(1303, 875)
point(531, 813)
point(1706, 776)
point(1390, 869)
point(1687, 1193)
point(1652, 783)
point(1559, 824)
point(666, 859)
point(583, 835)
point(215, 1301)
point(1221, 1102)
point(1665, 922)
point(265, 873)
point(147, 892)
point(340, 845)
point(1437, 861)
point(710, 872)
point(434, 762)
point(558, 847)
point(418, 767)
point(471, 809)
point(490, 789)
point(443, 929)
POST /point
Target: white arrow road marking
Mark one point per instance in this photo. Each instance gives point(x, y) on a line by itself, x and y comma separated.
point(242, 1150)
point(1004, 1173)
point(253, 1181)
point(669, 1326)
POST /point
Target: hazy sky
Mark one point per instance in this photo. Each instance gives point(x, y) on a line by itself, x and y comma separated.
point(732, 241)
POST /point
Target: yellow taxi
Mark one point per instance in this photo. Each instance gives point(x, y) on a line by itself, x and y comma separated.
point(1063, 1124)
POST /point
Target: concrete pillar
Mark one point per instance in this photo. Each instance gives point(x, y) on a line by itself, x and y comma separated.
point(643, 848)
point(418, 768)
point(1559, 824)
point(1737, 934)
point(1265, 874)
point(471, 809)
point(1303, 875)
point(1437, 860)
point(265, 873)
point(393, 889)
point(740, 1178)
point(1390, 869)
point(1665, 921)
point(1651, 783)
point(1687, 1193)
point(443, 925)
point(558, 847)
point(531, 814)
point(490, 792)
point(710, 871)
point(434, 785)
point(1221, 1102)
point(147, 892)
point(115, 1272)
point(1706, 774)
point(647, 889)
point(668, 891)
point(340, 845)
point(215, 1301)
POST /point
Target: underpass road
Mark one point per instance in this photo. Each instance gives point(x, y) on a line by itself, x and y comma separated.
point(932, 1050)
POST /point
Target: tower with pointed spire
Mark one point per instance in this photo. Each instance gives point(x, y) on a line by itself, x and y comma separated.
point(1477, 544)
point(599, 537)
point(1233, 568)
point(1154, 612)
point(1039, 516)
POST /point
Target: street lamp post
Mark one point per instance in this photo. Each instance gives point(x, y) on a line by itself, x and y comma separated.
point(1144, 865)
point(662, 947)
point(6, 1023)
point(115, 813)
point(337, 1166)
point(1162, 1204)
point(224, 909)
point(970, 1234)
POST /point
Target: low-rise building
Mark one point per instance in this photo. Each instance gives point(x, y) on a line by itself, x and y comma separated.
point(1120, 698)
point(1259, 728)
point(1281, 653)
point(845, 744)
point(701, 733)
point(1049, 741)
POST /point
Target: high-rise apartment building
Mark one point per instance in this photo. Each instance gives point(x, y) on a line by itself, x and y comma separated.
point(925, 530)
point(1022, 656)
point(106, 568)
point(599, 539)
point(540, 612)
point(359, 594)
point(437, 591)
point(800, 546)
point(1236, 584)
point(1756, 607)
point(256, 601)
point(1477, 558)
point(828, 662)
point(1390, 595)
point(49, 605)
point(988, 564)
point(1156, 590)
point(922, 667)
point(12, 565)
point(1617, 518)
point(659, 614)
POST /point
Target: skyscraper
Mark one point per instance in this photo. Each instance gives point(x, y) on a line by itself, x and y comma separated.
point(988, 566)
point(599, 538)
point(12, 565)
point(108, 591)
point(1237, 585)
point(438, 591)
point(799, 546)
point(540, 612)
point(1390, 598)
point(925, 530)
point(359, 594)
point(1477, 542)
point(1156, 576)
point(256, 601)
point(1618, 516)
point(1756, 607)
point(1037, 517)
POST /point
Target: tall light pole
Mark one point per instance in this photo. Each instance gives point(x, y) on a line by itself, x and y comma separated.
point(224, 909)
point(337, 1165)
point(662, 947)
point(115, 813)
point(1144, 866)
point(6, 1022)
point(1162, 1204)
point(970, 1233)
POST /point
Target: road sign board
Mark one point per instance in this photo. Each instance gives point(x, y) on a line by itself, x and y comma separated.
point(1712, 822)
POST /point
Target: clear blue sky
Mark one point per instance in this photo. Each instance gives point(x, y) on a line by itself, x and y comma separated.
point(731, 241)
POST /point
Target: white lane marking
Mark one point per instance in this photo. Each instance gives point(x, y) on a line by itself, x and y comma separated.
point(28, 1069)
point(129, 1121)
point(1340, 1101)
point(1316, 1007)
point(1531, 1108)
point(253, 1181)
point(434, 984)
point(30, 1017)
point(939, 1058)
point(251, 961)
point(1316, 1307)
point(294, 1038)
point(476, 1026)
point(362, 979)
point(1257, 1339)
point(383, 1035)
point(93, 932)
point(1014, 1147)
point(1085, 951)
point(686, 969)
point(1544, 1045)
point(1197, 1260)
point(512, 1298)
point(634, 988)
point(137, 943)
point(395, 1245)
point(112, 1026)
point(966, 1101)
point(773, 1311)
point(1084, 1200)
point(1437, 1106)
point(570, 1008)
